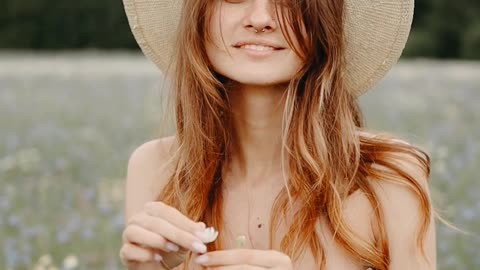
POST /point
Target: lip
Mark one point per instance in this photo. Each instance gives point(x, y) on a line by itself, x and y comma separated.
point(255, 53)
point(257, 41)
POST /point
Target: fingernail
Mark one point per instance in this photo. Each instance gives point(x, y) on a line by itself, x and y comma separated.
point(199, 247)
point(172, 247)
point(157, 257)
point(201, 259)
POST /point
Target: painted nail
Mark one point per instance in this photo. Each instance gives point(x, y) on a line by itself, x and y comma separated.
point(199, 247)
point(201, 259)
point(157, 257)
point(172, 247)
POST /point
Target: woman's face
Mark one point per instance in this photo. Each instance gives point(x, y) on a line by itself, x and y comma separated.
point(236, 21)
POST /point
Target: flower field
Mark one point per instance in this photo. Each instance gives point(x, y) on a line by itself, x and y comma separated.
point(69, 122)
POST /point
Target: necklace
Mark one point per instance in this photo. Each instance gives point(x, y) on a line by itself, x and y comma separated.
point(242, 238)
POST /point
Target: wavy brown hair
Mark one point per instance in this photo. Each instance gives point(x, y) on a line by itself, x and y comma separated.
point(326, 156)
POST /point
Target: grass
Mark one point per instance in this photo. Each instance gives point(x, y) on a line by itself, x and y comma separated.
point(69, 123)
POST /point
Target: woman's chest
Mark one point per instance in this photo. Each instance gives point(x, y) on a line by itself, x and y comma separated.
point(247, 223)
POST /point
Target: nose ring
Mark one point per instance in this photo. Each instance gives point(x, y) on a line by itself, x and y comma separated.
point(256, 31)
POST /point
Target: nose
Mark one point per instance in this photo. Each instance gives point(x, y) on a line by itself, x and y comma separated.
point(260, 15)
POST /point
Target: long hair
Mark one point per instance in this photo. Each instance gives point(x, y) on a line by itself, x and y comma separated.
point(326, 156)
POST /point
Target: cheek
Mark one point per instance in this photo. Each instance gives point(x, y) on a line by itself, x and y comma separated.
point(220, 45)
point(221, 22)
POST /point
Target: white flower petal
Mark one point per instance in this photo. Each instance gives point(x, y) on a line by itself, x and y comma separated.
point(70, 262)
point(209, 235)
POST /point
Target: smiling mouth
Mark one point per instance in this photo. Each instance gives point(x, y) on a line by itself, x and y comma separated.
point(258, 48)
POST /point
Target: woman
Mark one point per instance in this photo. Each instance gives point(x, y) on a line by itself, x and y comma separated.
point(270, 147)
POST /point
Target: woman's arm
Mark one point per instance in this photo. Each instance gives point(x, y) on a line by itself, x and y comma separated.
point(146, 178)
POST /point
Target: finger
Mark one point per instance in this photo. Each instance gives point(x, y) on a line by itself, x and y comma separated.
point(131, 253)
point(260, 258)
point(169, 231)
point(142, 237)
point(172, 215)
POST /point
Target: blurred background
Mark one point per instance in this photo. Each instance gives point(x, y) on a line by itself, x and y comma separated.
point(77, 97)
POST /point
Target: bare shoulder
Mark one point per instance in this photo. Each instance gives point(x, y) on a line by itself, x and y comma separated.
point(357, 207)
point(147, 172)
point(403, 210)
point(357, 213)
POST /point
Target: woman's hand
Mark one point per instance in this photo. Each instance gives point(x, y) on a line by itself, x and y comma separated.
point(245, 259)
point(160, 232)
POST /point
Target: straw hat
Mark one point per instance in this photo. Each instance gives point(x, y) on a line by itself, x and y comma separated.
point(375, 34)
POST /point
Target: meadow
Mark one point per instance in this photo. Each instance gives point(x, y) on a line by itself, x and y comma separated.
point(69, 122)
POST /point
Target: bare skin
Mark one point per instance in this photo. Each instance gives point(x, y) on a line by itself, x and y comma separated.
point(146, 180)
point(256, 166)
point(148, 185)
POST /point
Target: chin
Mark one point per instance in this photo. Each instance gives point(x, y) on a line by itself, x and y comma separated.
point(258, 78)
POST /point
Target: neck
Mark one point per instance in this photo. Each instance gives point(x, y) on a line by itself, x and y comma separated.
point(257, 126)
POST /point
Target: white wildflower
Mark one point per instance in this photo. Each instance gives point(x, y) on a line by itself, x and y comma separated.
point(209, 235)
point(45, 260)
point(70, 262)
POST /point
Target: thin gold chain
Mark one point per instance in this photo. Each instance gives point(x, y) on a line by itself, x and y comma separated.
point(249, 235)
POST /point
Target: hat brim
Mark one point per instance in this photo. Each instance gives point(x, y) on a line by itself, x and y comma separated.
point(375, 35)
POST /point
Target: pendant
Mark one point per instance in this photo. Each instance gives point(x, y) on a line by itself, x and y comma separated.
point(241, 241)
